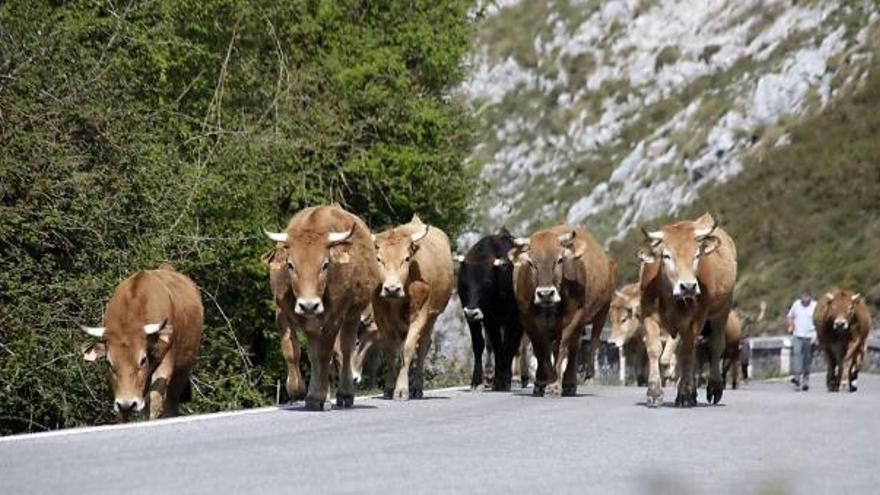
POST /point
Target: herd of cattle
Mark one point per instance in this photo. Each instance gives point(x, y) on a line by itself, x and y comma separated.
point(350, 291)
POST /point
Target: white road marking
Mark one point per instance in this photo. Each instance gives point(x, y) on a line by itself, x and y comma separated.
point(178, 420)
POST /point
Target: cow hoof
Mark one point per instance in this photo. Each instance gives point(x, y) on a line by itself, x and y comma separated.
point(501, 387)
point(655, 394)
point(417, 393)
point(569, 390)
point(714, 390)
point(685, 401)
point(525, 383)
point(401, 394)
point(344, 400)
point(314, 405)
point(554, 390)
point(388, 393)
point(538, 391)
point(478, 388)
point(654, 401)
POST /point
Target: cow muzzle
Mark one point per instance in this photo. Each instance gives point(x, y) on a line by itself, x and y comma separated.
point(547, 296)
point(841, 326)
point(128, 406)
point(392, 291)
point(473, 314)
point(686, 290)
point(309, 307)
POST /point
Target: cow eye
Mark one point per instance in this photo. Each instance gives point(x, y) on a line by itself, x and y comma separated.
point(666, 256)
point(290, 264)
point(143, 362)
point(559, 261)
point(408, 257)
point(325, 265)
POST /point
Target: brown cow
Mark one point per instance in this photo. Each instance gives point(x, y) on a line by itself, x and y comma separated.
point(842, 324)
point(628, 334)
point(730, 358)
point(151, 335)
point(415, 262)
point(322, 281)
point(562, 280)
point(687, 279)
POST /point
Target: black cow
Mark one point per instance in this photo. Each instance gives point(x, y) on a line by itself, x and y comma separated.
point(485, 286)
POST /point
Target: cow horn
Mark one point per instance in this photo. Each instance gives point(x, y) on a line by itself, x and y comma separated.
point(151, 328)
point(337, 237)
point(619, 293)
point(459, 258)
point(522, 242)
point(420, 234)
point(97, 332)
point(829, 296)
point(498, 262)
point(566, 237)
point(699, 233)
point(655, 236)
point(856, 297)
point(276, 236)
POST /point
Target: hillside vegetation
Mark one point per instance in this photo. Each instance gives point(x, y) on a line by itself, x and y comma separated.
point(133, 133)
point(806, 214)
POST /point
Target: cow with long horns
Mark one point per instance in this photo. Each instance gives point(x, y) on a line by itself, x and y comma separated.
point(415, 263)
point(842, 324)
point(687, 280)
point(563, 280)
point(323, 273)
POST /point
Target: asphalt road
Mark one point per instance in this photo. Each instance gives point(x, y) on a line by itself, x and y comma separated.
point(764, 438)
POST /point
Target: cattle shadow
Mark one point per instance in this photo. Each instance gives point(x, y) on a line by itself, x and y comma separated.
point(412, 399)
point(579, 395)
point(670, 404)
point(301, 408)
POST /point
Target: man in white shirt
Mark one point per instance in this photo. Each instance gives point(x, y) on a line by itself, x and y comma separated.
point(803, 331)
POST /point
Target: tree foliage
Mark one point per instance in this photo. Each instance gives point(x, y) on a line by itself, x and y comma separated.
point(133, 133)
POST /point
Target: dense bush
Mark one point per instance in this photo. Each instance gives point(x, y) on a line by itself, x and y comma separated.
point(137, 132)
point(802, 215)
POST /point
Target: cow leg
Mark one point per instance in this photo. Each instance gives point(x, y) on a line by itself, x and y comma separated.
point(598, 323)
point(177, 387)
point(544, 374)
point(734, 373)
point(830, 365)
point(362, 353)
point(478, 344)
point(320, 353)
point(159, 383)
point(524, 360)
point(687, 390)
point(516, 368)
point(564, 358)
point(295, 385)
point(413, 335)
point(848, 363)
point(717, 345)
point(653, 347)
point(418, 389)
point(489, 363)
point(669, 360)
point(346, 341)
point(500, 350)
point(570, 377)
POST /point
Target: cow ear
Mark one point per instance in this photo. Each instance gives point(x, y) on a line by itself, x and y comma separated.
point(856, 297)
point(568, 241)
point(647, 255)
point(709, 244)
point(95, 351)
point(829, 296)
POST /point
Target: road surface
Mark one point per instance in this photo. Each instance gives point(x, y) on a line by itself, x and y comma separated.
point(764, 438)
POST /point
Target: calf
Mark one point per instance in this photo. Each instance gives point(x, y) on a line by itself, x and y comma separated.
point(842, 324)
point(150, 336)
point(563, 280)
point(415, 263)
point(687, 279)
point(628, 334)
point(485, 286)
